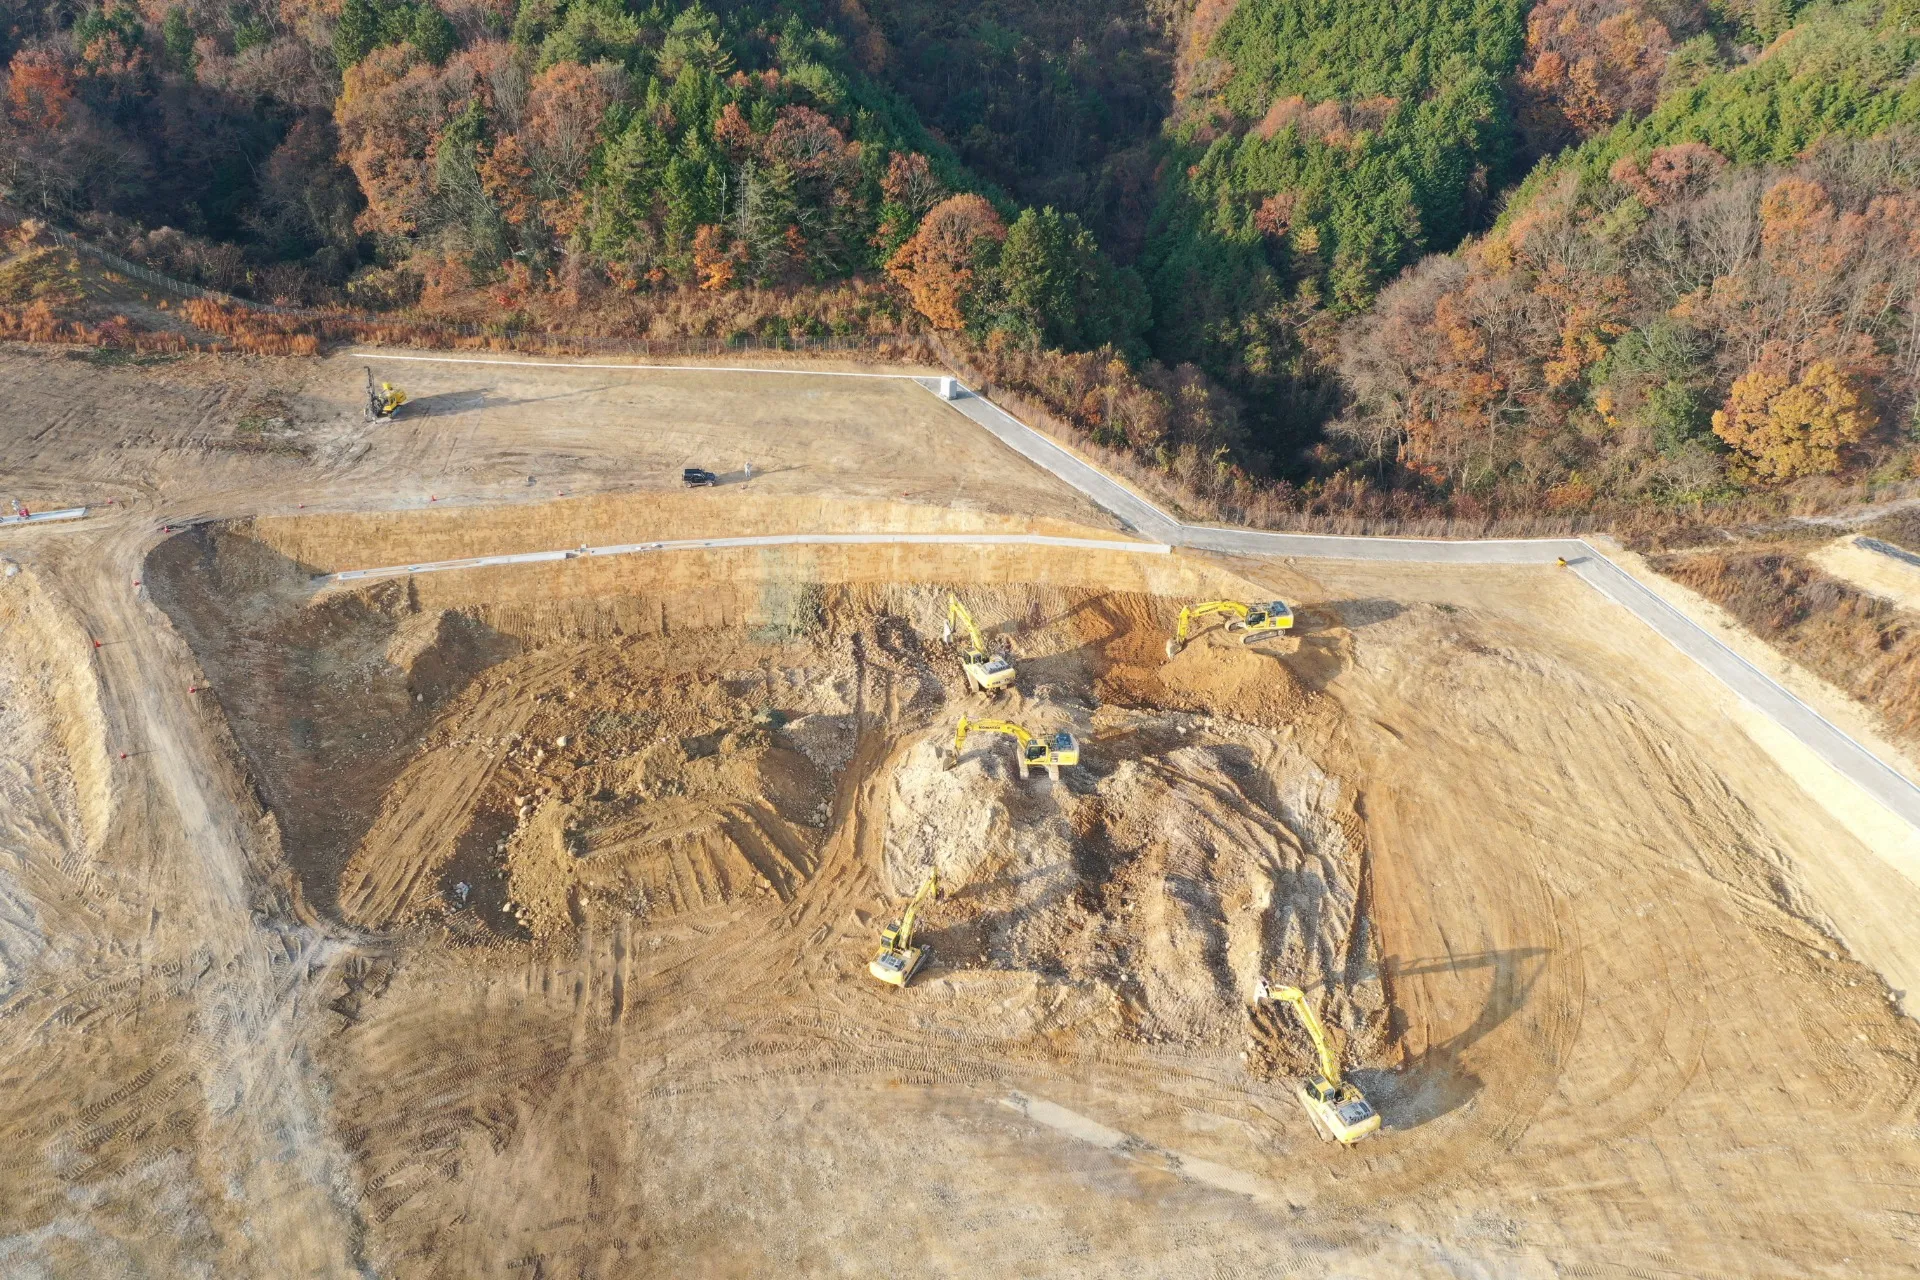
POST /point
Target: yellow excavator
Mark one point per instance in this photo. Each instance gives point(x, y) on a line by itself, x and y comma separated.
point(1339, 1111)
point(1049, 753)
point(1254, 621)
point(987, 674)
point(382, 399)
point(898, 959)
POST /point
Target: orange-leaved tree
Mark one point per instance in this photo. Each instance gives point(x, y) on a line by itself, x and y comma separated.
point(1784, 427)
point(39, 90)
point(391, 108)
point(1588, 63)
point(713, 257)
point(937, 265)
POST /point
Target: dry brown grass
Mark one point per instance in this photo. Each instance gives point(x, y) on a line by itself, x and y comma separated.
point(1868, 647)
point(39, 322)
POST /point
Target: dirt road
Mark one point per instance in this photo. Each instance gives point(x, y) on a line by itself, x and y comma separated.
point(1586, 945)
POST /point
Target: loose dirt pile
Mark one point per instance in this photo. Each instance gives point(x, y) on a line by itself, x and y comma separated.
point(50, 717)
point(1156, 886)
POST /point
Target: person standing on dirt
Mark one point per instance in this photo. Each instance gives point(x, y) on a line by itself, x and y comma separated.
point(748, 468)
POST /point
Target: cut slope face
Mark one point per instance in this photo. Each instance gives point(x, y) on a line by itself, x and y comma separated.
point(327, 698)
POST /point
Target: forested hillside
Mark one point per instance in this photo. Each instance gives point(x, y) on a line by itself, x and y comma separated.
point(1395, 256)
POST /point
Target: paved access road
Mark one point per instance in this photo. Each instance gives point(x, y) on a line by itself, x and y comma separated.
point(1820, 735)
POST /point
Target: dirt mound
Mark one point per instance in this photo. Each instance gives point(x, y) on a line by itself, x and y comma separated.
point(60, 782)
point(1216, 673)
point(1186, 858)
point(55, 783)
point(697, 833)
point(625, 775)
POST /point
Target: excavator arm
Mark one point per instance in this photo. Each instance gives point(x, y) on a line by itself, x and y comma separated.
point(928, 891)
point(1192, 611)
point(957, 614)
point(967, 726)
point(1329, 1064)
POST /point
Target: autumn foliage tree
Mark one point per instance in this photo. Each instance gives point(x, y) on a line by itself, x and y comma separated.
point(1784, 428)
point(941, 264)
point(1588, 63)
point(1594, 334)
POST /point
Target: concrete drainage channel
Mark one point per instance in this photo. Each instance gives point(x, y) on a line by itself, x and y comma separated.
point(45, 517)
point(762, 540)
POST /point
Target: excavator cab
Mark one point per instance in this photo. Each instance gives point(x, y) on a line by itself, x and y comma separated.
point(990, 674)
point(1061, 748)
point(1274, 615)
point(1339, 1112)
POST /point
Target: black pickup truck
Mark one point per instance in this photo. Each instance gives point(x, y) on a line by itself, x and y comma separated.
point(698, 477)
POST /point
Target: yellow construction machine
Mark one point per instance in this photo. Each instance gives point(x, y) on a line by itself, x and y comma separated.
point(1253, 620)
point(898, 959)
point(1339, 1111)
point(1049, 753)
point(987, 674)
point(382, 399)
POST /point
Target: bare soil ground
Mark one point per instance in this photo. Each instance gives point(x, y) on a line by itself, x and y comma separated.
point(1872, 569)
point(515, 921)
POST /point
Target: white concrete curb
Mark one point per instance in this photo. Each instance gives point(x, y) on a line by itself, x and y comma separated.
point(41, 517)
point(763, 540)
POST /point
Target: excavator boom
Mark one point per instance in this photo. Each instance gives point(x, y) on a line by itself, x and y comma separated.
point(1329, 1064)
point(957, 613)
point(1201, 610)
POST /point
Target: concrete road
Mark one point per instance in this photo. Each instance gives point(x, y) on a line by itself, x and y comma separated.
point(1820, 735)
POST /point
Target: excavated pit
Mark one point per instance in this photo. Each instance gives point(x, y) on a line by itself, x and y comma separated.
point(506, 756)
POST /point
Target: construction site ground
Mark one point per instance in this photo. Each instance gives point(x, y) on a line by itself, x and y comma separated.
point(515, 921)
